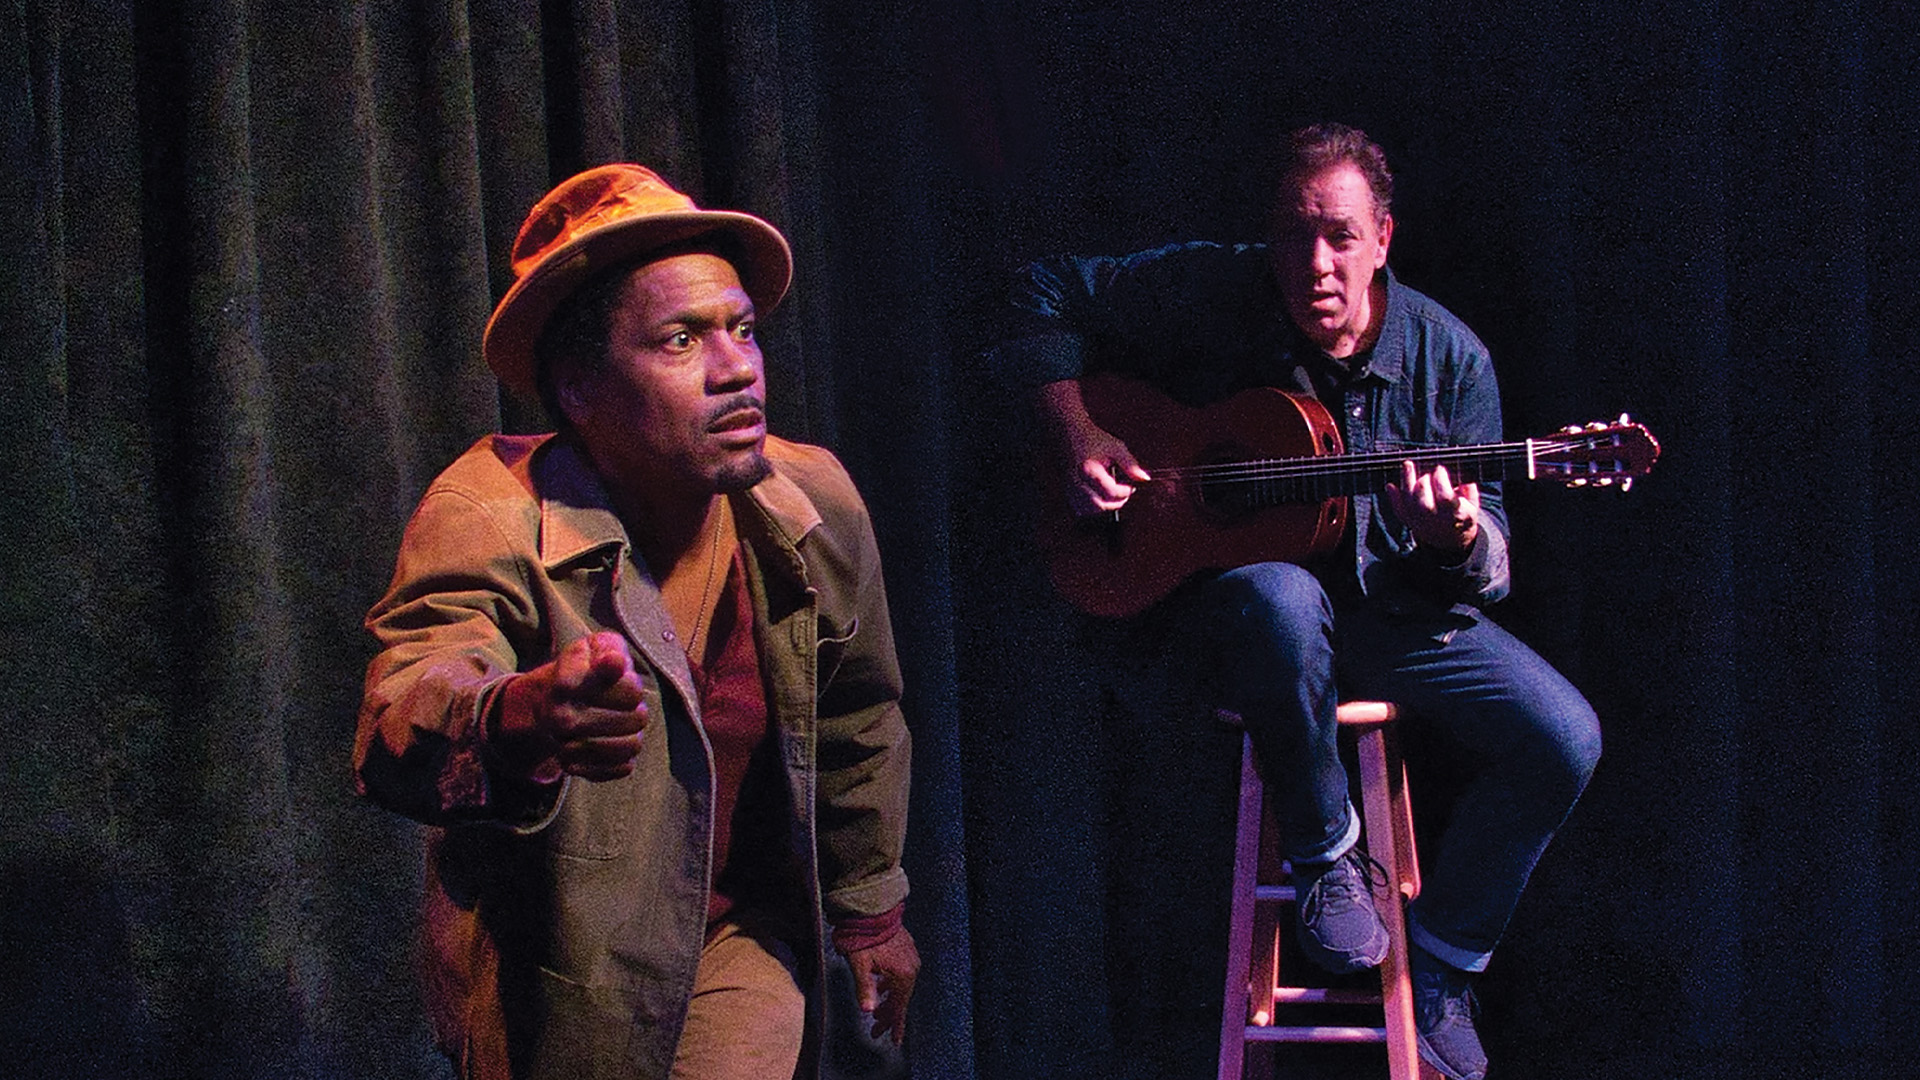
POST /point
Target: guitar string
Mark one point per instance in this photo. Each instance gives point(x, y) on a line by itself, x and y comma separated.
point(1283, 467)
point(1341, 461)
point(1333, 465)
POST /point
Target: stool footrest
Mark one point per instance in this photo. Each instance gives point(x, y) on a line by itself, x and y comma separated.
point(1274, 894)
point(1313, 995)
point(1316, 1034)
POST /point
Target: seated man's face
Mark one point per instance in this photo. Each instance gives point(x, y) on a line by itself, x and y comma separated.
point(679, 407)
point(1328, 242)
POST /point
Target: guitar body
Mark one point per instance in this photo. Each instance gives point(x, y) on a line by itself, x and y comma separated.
point(1120, 564)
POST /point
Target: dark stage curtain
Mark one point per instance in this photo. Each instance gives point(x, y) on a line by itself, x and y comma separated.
point(249, 250)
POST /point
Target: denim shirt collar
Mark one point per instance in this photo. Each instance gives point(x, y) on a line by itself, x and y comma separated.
point(1390, 348)
point(1386, 359)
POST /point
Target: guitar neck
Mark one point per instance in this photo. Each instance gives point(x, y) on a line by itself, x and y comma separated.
point(1277, 481)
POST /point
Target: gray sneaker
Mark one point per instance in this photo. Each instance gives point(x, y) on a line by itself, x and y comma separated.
point(1443, 1014)
point(1338, 926)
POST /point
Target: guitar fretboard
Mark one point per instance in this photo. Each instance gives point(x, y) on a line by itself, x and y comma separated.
point(1259, 483)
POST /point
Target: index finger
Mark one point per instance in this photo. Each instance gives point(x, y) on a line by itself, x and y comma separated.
point(864, 992)
point(891, 1015)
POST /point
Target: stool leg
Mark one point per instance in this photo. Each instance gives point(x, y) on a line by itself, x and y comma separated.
point(1383, 804)
point(1246, 865)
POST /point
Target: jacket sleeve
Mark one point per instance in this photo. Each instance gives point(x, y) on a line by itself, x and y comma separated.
point(1142, 314)
point(452, 629)
point(864, 752)
point(1057, 305)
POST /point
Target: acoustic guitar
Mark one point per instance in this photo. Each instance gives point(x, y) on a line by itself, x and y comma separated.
point(1261, 476)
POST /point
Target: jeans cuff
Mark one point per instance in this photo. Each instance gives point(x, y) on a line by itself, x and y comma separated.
point(1454, 956)
point(1332, 849)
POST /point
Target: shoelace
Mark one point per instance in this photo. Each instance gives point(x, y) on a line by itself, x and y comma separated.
point(1337, 885)
point(1446, 994)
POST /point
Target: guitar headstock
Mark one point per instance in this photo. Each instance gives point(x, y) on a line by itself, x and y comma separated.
point(1598, 455)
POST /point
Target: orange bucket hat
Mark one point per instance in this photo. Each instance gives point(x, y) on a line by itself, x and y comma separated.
point(596, 219)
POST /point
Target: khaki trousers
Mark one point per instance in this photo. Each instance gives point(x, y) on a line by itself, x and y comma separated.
point(747, 1012)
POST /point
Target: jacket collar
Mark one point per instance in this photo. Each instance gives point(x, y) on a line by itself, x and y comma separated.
point(786, 506)
point(577, 517)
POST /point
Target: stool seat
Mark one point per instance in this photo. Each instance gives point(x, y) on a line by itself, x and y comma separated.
point(1255, 986)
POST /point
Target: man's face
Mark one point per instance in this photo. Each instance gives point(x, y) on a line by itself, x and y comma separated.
point(679, 408)
point(1328, 242)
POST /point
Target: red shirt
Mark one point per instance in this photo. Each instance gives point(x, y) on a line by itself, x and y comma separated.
point(750, 810)
point(749, 798)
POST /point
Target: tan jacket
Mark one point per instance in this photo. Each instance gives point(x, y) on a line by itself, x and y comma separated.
point(563, 924)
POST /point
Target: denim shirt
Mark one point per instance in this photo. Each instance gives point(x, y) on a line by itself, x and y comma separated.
point(1202, 321)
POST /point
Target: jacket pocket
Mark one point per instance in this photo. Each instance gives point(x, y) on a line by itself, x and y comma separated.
point(597, 821)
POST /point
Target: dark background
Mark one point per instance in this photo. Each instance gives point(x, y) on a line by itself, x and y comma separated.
point(246, 252)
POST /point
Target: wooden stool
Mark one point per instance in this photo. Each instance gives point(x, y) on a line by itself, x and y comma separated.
point(1254, 984)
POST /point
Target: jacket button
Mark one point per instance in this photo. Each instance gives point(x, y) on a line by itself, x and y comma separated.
point(666, 635)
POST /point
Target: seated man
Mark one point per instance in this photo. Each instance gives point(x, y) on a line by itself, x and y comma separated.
point(640, 677)
point(1393, 610)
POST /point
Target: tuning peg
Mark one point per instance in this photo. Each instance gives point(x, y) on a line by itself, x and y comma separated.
point(1605, 481)
point(1626, 482)
point(1570, 429)
point(1578, 481)
point(1624, 420)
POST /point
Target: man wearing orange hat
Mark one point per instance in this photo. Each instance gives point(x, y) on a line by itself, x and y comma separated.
point(640, 677)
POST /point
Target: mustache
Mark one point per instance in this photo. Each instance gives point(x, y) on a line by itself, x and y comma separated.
point(733, 404)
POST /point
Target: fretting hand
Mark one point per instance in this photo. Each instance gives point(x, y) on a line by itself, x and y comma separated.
point(1440, 515)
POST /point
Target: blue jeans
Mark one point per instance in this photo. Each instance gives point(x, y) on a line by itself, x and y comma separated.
point(1284, 660)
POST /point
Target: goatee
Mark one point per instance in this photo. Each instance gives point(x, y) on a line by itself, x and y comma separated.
point(743, 474)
